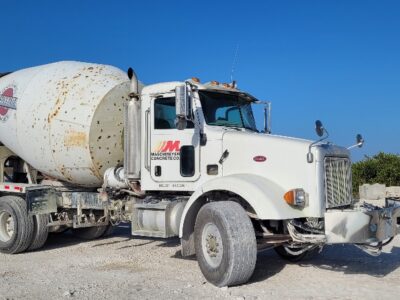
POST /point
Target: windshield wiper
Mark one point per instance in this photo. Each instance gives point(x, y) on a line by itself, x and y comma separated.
point(234, 127)
point(252, 129)
point(241, 127)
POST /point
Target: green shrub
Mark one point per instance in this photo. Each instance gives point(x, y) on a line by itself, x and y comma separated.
point(382, 168)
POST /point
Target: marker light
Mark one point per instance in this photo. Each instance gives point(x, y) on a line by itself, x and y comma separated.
point(214, 82)
point(195, 79)
point(296, 197)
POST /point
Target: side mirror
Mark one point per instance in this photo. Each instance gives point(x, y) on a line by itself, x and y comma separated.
point(319, 128)
point(360, 140)
point(267, 118)
point(183, 106)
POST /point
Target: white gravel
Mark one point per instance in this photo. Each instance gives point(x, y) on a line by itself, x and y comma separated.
point(124, 267)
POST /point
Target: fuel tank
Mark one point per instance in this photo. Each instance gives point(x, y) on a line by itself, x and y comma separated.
point(65, 119)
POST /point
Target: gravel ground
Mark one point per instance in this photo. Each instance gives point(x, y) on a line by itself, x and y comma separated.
point(124, 267)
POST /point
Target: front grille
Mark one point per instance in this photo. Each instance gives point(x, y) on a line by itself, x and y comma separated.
point(337, 181)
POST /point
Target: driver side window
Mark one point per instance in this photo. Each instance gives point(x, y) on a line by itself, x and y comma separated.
point(164, 114)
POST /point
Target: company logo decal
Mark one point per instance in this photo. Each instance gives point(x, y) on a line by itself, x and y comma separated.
point(7, 102)
point(166, 150)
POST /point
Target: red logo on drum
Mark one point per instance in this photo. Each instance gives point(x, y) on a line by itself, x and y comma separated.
point(7, 102)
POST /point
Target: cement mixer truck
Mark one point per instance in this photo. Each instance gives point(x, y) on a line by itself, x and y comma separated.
point(85, 147)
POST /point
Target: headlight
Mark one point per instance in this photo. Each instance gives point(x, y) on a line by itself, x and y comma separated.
point(296, 197)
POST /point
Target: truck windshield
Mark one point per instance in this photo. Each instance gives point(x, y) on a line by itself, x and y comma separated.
point(229, 110)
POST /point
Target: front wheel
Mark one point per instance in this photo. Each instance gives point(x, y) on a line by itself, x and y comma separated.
point(225, 243)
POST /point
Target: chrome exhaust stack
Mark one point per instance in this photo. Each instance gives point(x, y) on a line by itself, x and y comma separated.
point(132, 131)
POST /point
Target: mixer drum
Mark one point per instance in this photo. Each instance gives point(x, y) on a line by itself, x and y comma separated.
point(65, 119)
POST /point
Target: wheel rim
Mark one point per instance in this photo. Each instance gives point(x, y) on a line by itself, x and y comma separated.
point(212, 247)
point(6, 226)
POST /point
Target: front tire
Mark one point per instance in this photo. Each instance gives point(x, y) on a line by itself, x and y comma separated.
point(16, 227)
point(225, 243)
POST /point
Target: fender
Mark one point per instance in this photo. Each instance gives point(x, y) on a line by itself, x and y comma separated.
point(264, 196)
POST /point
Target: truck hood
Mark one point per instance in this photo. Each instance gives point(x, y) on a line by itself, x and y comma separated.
point(281, 160)
point(260, 152)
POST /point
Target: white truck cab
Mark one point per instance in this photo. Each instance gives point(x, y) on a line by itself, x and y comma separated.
point(286, 185)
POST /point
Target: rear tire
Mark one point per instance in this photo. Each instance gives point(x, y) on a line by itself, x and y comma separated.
point(16, 227)
point(41, 232)
point(90, 233)
point(225, 243)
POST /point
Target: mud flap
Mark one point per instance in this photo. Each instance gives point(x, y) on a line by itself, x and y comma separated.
point(41, 200)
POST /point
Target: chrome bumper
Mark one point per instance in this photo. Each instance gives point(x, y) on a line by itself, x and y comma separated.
point(365, 225)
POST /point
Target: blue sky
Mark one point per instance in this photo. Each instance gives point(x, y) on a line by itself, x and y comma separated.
point(338, 61)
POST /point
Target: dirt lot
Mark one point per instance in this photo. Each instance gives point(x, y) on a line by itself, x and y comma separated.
point(127, 268)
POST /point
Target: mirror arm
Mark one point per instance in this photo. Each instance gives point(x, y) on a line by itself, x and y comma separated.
point(267, 115)
point(354, 146)
point(267, 118)
point(310, 156)
point(359, 144)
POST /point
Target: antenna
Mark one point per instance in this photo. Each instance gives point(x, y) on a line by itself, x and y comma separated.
point(234, 61)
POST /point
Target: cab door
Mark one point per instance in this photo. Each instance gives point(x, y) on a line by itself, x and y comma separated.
point(174, 154)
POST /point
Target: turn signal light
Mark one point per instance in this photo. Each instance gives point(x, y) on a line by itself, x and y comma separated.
point(296, 197)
